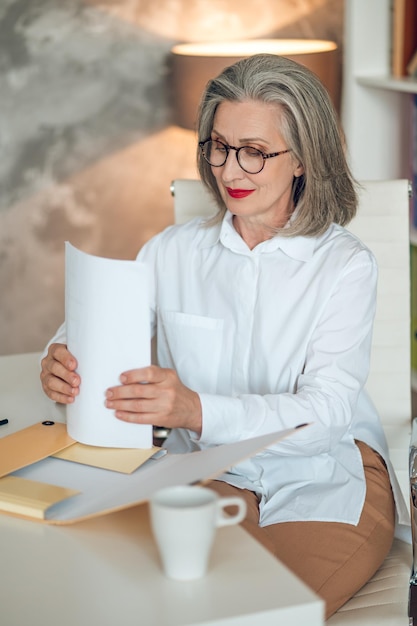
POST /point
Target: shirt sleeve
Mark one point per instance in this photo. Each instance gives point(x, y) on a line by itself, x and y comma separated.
point(149, 254)
point(59, 337)
point(335, 371)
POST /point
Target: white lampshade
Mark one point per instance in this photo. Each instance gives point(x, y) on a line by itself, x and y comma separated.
point(194, 64)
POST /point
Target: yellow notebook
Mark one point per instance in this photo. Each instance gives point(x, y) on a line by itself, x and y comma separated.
point(29, 497)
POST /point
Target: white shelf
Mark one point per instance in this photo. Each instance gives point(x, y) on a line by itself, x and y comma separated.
point(405, 85)
point(375, 105)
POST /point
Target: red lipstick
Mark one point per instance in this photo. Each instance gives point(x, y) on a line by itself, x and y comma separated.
point(239, 193)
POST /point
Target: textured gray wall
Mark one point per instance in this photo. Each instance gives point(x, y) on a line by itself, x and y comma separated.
point(87, 143)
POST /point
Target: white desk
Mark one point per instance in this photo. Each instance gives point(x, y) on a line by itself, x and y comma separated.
point(106, 571)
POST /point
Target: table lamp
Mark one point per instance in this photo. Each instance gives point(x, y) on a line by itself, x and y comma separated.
point(194, 64)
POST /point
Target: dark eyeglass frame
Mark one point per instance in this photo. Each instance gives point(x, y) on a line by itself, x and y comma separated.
point(264, 155)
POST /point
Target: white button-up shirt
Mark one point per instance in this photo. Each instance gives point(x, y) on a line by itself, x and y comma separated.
point(271, 338)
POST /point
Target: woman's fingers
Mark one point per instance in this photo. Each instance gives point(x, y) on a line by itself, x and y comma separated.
point(59, 380)
point(155, 395)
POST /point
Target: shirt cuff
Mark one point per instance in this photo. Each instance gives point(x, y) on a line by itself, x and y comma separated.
point(222, 419)
point(59, 337)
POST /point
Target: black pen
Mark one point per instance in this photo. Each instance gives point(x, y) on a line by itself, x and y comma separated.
point(3, 422)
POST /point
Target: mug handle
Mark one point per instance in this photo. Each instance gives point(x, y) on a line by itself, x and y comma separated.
point(228, 520)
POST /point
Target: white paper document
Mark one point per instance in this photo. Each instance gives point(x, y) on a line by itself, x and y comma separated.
point(103, 491)
point(108, 331)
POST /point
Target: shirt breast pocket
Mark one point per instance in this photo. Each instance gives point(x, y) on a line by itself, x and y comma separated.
point(192, 345)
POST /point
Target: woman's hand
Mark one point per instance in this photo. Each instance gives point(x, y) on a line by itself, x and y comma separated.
point(154, 395)
point(59, 380)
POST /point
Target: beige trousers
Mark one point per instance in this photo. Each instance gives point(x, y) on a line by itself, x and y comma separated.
point(333, 559)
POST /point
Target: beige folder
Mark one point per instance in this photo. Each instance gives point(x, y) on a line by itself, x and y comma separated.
point(30, 498)
point(32, 444)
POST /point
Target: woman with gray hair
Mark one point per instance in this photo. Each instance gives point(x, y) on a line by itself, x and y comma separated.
point(264, 318)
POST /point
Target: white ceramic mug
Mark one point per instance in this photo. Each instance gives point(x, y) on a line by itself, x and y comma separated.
point(184, 521)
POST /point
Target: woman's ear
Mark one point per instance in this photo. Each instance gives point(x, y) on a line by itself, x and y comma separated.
point(299, 171)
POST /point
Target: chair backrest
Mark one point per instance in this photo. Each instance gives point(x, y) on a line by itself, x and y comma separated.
point(382, 223)
point(191, 199)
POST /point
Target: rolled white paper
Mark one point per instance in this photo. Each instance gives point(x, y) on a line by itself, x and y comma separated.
point(108, 332)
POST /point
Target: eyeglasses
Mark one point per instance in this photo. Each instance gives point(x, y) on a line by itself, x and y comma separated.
point(251, 160)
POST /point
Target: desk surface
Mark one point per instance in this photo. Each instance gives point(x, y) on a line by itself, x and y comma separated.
point(106, 570)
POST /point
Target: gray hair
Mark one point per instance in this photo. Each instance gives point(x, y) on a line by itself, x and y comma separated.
point(326, 192)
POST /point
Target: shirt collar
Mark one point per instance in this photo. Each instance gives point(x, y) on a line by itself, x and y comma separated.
point(299, 248)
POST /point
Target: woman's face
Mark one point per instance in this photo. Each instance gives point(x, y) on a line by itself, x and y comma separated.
point(264, 198)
